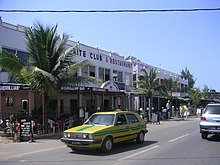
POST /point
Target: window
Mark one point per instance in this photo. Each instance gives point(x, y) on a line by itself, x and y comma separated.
point(107, 74)
point(212, 109)
point(121, 120)
point(9, 101)
point(132, 118)
point(128, 78)
point(101, 73)
point(21, 54)
point(115, 75)
point(9, 51)
point(120, 76)
point(23, 57)
point(85, 71)
point(92, 71)
point(101, 119)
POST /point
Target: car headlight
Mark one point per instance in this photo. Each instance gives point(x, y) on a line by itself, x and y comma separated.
point(90, 136)
point(65, 135)
point(87, 136)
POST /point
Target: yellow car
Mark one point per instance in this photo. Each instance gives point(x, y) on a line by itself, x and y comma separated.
point(103, 129)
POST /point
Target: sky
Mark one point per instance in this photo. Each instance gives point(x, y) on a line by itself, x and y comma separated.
point(169, 40)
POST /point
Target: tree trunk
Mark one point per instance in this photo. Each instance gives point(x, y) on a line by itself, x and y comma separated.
point(149, 106)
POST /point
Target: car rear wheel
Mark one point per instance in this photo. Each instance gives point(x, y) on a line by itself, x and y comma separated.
point(204, 135)
point(107, 144)
point(140, 137)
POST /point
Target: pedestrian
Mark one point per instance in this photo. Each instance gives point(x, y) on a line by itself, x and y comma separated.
point(32, 131)
point(186, 111)
point(168, 109)
point(181, 111)
point(198, 111)
point(51, 124)
point(164, 113)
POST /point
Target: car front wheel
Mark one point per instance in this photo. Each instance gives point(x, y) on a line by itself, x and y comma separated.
point(107, 145)
point(140, 137)
point(204, 135)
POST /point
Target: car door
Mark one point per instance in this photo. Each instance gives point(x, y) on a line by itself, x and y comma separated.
point(121, 128)
point(134, 125)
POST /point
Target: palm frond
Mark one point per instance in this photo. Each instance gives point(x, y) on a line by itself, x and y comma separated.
point(148, 82)
point(45, 74)
point(10, 62)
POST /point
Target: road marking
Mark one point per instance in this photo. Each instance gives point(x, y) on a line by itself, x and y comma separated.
point(34, 152)
point(180, 137)
point(138, 153)
point(28, 153)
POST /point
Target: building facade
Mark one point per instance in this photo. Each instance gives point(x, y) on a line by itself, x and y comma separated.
point(117, 73)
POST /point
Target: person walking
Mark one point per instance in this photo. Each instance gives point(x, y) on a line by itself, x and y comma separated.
point(181, 112)
point(186, 111)
point(168, 109)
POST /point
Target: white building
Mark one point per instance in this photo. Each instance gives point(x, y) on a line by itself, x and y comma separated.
point(140, 102)
point(111, 67)
point(107, 66)
point(117, 72)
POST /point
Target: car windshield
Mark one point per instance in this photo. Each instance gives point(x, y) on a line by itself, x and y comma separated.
point(101, 119)
point(212, 109)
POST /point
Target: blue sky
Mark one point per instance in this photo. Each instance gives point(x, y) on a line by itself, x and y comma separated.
point(171, 40)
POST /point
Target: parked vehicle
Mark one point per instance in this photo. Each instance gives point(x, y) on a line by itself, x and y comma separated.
point(103, 129)
point(210, 120)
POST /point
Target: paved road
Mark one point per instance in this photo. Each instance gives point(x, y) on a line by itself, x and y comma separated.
point(171, 142)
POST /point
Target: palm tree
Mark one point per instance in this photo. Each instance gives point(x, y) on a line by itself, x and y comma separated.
point(148, 84)
point(196, 96)
point(49, 63)
point(205, 91)
point(185, 74)
point(168, 87)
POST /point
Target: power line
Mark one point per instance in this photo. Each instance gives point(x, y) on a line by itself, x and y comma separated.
point(111, 11)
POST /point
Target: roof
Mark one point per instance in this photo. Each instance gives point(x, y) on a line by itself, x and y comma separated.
point(113, 112)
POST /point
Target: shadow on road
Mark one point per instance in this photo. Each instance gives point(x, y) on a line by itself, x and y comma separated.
point(117, 148)
point(214, 138)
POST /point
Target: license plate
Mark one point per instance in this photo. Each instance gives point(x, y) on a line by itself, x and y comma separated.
point(75, 142)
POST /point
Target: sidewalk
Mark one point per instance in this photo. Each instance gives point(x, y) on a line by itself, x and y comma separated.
point(56, 135)
point(172, 121)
